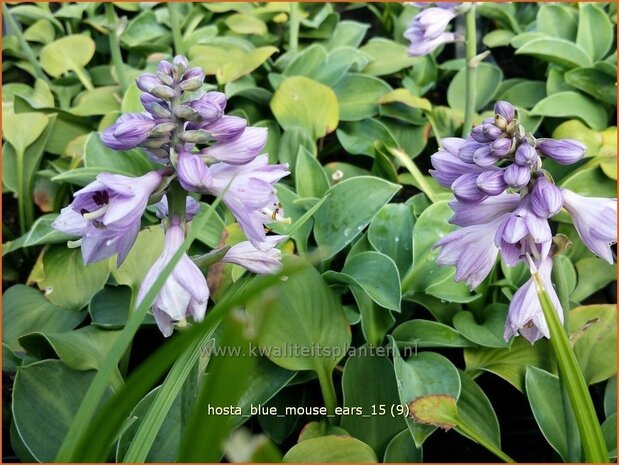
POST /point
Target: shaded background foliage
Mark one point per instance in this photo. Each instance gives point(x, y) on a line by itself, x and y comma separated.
point(338, 101)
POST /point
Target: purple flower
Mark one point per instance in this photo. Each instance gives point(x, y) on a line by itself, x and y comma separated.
point(192, 208)
point(564, 151)
point(250, 196)
point(185, 292)
point(147, 82)
point(427, 31)
point(255, 260)
point(448, 166)
point(226, 128)
point(192, 79)
point(484, 156)
point(595, 219)
point(505, 110)
point(501, 147)
point(241, 150)
point(129, 131)
point(468, 149)
point(525, 314)
point(107, 214)
point(546, 198)
point(465, 188)
point(210, 106)
point(491, 182)
point(471, 249)
point(468, 214)
point(193, 174)
point(523, 232)
point(526, 155)
point(517, 176)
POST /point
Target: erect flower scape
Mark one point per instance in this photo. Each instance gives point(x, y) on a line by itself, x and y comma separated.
point(263, 232)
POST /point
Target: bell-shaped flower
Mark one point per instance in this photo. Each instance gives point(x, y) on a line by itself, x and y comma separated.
point(250, 194)
point(184, 293)
point(255, 260)
point(468, 214)
point(193, 174)
point(448, 165)
point(107, 214)
point(546, 198)
point(564, 151)
point(472, 250)
point(210, 106)
point(243, 149)
point(465, 188)
point(595, 219)
point(525, 314)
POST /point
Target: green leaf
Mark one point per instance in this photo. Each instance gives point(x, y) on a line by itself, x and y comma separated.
point(593, 275)
point(593, 331)
point(510, 364)
point(26, 310)
point(46, 396)
point(331, 449)
point(488, 79)
point(22, 129)
point(498, 38)
point(436, 410)
point(143, 29)
point(315, 429)
point(67, 281)
point(557, 21)
point(347, 34)
point(609, 430)
point(546, 400)
point(315, 63)
point(229, 63)
point(99, 101)
point(70, 53)
point(593, 82)
point(524, 93)
point(390, 232)
point(595, 31)
point(387, 57)
point(131, 162)
point(572, 104)
point(246, 24)
point(560, 52)
point(405, 97)
point(41, 233)
point(363, 137)
point(310, 177)
point(341, 218)
point(300, 101)
point(82, 349)
point(427, 334)
point(376, 274)
point(307, 312)
point(41, 31)
point(425, 374)
point(475, 410)
point(590, 182)
point(402, 450)
point(487, 333)
point(368, 381)
point(358, 96)
point(610, 397)
point(110, 307)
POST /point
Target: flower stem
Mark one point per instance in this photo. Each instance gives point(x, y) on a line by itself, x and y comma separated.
point(487, 444)
point(177, 35)
point(328, 391)
point(23, 44)
point(294, 23)
point(117, 58)
point(177, 197)
point(83, 77)
point(591, 436)
point(471, 70)
point(409, 164)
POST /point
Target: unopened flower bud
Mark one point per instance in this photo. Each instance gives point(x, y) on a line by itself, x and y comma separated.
point(467, 151)
point(505, 110)
point(187, 113)
point(564, 151)
point(484, 157)
point(465, 189)
point(160, 111)
point(166, 79)
point(156, 142)
point(192, 79)
point(517, 176)
point(491, 182)
point(164, 92)
point(196, 136)
point(165, 67)
point(180, 65)
point(227, 128)
point(163, 129)
point(526, 155)
point(147, 82)
point(500, 122)
point(502, 147)
point(491, 131)
point(546, 198)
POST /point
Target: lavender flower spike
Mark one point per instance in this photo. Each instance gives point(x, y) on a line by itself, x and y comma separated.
point(525, 314)
point(427, 30)
point(107, 213)
point(255, 260)
point(185, 292)
point(129, 131)
point(595, 220)
point(471, 249)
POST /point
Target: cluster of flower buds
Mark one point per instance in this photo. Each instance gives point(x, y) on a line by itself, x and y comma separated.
point(428, 29)
point(503, 201)
point(200, 149)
